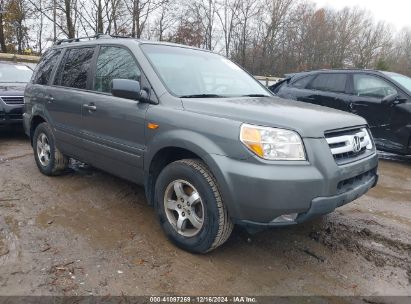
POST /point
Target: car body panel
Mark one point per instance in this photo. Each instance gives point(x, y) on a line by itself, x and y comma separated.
point(11, 113)
point(307, 120)
point(116, 139)
point(389, 124)
point(11, 108)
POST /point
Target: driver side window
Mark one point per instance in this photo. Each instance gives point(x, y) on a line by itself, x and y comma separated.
point(372, 86)
point(114, 63)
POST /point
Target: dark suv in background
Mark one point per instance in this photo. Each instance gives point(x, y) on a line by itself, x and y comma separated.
point(382, 98)
point(212, 146)
point(13, 79)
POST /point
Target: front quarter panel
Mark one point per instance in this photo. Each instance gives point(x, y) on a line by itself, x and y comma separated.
point(199, 133)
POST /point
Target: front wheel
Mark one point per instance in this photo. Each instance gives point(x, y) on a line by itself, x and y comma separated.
point(189, 206)
point(49, 159)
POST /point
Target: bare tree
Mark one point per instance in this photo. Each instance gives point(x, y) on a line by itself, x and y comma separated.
point(371, 39)
point(265, 36)
point(2, 37)
point(167, 18)
point(227, 14)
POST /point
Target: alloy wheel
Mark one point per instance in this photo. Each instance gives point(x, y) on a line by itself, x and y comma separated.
point(184, 208)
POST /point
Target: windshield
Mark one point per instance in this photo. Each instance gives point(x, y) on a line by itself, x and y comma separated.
point(195, 73)
point(15, 73)
point(401, 79)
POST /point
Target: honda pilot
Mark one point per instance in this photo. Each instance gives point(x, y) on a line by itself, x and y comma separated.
point(211, 145)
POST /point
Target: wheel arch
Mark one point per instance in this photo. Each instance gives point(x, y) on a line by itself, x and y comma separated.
point(188, 144)
point(160, 159)
point(34, 122)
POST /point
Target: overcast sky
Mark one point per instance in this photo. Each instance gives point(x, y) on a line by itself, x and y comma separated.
point(395, 12)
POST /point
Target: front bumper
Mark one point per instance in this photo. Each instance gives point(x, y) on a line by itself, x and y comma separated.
point(323, 205)
point(256, 192)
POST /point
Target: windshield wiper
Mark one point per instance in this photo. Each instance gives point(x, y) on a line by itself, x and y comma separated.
point(255, 95)
point(201, 96)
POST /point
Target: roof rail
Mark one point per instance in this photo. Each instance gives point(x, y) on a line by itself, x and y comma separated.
point(119, 36)
point(97, 36)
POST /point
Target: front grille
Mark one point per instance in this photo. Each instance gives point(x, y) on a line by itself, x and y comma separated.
point(350, 183)
point(349, 145)
point(13, 100)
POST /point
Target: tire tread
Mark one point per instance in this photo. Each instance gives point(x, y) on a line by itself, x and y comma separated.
point(225, 225)
point(60, 160)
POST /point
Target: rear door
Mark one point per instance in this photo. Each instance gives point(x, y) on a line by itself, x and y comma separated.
point(368, 91)
point(330, 90)
point(66, 96)
point(295, 88)
point(114, 127)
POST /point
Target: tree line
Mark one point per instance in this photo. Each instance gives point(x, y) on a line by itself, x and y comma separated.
point(267, 37)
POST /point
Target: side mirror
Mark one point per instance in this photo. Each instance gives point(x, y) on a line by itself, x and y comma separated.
point(392, 99)
point(126, 88)
point(389, 100)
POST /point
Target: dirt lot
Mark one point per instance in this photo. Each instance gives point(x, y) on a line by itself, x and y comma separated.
point(88, 232)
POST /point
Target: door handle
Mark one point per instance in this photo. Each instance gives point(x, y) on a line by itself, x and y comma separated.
point(90, 107)
point(50, 99)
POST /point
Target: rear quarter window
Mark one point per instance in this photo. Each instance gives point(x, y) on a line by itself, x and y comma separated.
point(44, 69)
point(74, 69)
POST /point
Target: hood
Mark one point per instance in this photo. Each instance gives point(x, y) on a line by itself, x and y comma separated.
point(307, 119)
point(11, 89)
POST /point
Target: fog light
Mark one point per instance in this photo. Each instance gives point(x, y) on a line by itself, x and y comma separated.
point(285, 218)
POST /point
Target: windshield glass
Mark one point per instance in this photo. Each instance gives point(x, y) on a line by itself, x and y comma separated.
point(15, 73)
point(195, 73)
point(401, 79)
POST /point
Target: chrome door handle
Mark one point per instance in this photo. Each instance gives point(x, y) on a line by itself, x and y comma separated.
point(50, 99)
point(90, 107)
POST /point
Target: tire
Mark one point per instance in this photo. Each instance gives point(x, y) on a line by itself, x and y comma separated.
point(51, 161)
point(208, 209)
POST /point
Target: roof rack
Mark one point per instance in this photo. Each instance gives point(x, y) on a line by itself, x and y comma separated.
point(97, 36)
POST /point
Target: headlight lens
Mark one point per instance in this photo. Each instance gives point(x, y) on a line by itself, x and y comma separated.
point(272, 143)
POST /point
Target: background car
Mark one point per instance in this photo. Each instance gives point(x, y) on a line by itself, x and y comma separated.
point(382, 98)
point(13, 79)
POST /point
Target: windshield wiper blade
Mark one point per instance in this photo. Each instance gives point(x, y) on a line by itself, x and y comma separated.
point(255, 95)
point(201, 96)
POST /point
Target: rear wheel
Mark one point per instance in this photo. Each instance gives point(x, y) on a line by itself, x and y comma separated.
point(49, 159)
point(190, 208)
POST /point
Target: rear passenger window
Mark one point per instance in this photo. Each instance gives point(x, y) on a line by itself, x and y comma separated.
point(74, 68)
point(45, 67)
point(114, 63)
point(330, 82)
point(302, 82)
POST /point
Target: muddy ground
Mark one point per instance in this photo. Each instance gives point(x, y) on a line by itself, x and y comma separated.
point(88, 232)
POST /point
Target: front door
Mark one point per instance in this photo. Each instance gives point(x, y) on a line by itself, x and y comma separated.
point(114, 127)
point(368, 92)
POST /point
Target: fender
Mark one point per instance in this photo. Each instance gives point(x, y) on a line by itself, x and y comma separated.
point(206, 149)
point(185, 139)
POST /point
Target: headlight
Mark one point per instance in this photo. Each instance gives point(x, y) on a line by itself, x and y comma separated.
point(272, 143)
